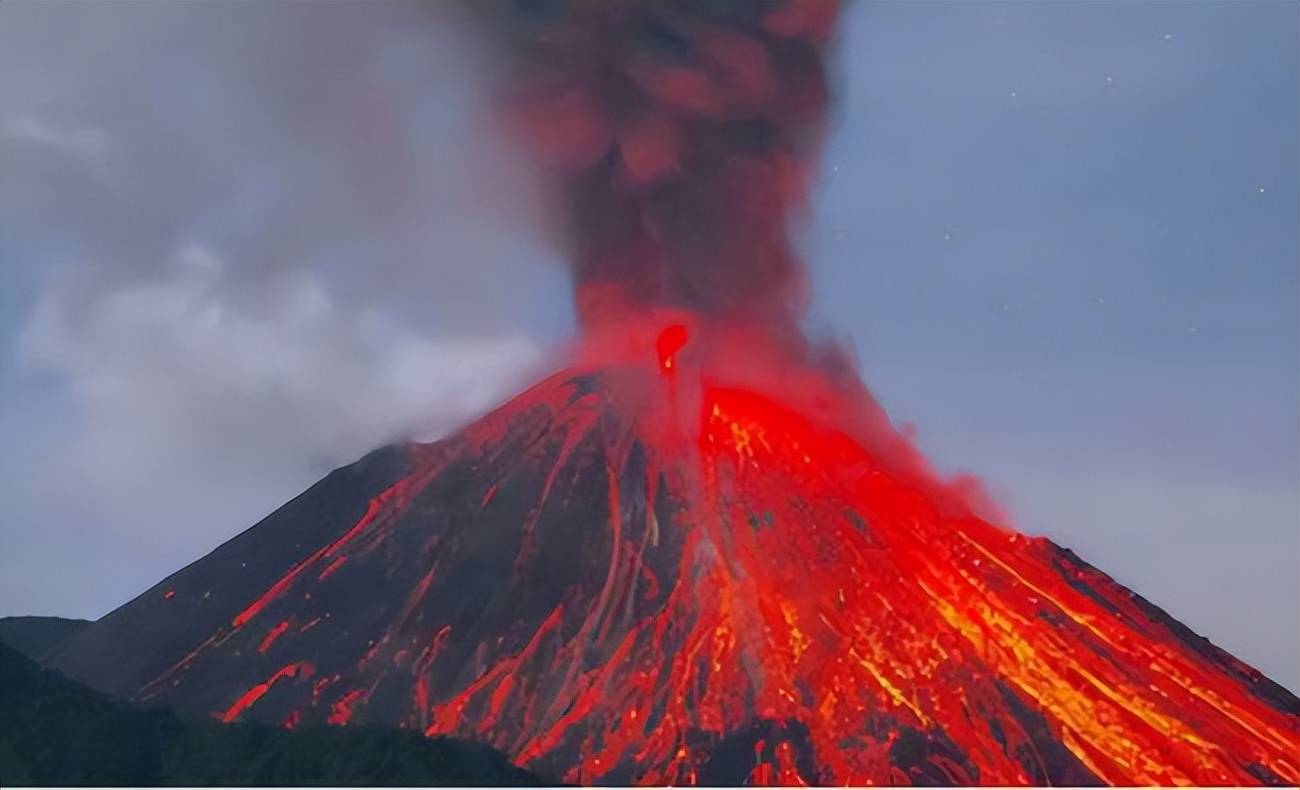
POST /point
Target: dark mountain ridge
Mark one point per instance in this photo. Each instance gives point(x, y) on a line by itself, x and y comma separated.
point(37, 637)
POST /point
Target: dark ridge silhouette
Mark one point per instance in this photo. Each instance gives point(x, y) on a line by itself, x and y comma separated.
point(56, 732)
point(37, 637)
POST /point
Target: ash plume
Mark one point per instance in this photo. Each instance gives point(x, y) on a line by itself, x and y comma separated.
point(682, 135)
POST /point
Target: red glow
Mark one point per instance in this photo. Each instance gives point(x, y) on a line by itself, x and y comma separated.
point(342, 709)
point(669, 342)
point(373, 512)
point(333, 566)
point(273, 635)
point(250, 697)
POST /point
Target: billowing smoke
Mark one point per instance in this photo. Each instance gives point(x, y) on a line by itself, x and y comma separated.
point(682, 136)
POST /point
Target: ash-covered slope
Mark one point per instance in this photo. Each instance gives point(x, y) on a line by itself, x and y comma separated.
point(619, 578)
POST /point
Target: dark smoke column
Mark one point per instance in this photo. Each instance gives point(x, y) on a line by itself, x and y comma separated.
point(683, 135)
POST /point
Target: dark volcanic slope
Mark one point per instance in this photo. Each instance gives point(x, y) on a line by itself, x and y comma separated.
point(56, 732)
point(131, 645)
point(36, 637)
point(616, 583)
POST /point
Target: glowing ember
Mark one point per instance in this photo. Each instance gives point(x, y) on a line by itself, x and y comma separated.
point(273, 635)
point(248, 698)
point(669, 343)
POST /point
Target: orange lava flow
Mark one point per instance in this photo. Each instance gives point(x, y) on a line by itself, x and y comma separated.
point(248, 698)
point(815, 588)
point(272, 635)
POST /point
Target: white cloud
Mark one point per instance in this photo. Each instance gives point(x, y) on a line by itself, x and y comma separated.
point(179, 365)
point(85, 142)
point(242, 256)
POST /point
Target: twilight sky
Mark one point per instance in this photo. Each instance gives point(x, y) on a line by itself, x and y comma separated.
point(242, 244)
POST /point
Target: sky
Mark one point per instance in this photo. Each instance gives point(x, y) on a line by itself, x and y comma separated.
point(241, 245)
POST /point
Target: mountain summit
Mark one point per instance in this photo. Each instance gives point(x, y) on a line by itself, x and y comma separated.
point(640, 572)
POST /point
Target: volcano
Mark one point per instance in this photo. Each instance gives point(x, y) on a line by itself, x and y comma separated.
point(648, 571)
point(700, 553)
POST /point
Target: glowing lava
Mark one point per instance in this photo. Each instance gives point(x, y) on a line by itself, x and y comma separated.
point(767, 601)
